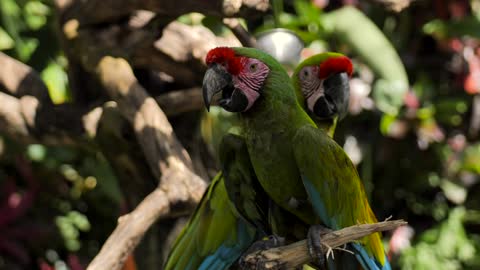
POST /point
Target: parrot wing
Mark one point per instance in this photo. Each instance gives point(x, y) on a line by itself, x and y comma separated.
point(243, 188)
point(215, 237)
point(336, 192)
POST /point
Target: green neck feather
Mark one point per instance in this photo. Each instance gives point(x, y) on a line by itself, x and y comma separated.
point(278, 102)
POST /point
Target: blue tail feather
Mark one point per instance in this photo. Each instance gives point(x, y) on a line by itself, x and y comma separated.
point(225, 255)
point(367, 261)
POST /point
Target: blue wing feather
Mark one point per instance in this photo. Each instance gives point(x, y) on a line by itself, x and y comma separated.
point(367, 261)
point(215, 237)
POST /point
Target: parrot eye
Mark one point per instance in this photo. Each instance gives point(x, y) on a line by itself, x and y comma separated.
point(305, 73)
point(253, 67)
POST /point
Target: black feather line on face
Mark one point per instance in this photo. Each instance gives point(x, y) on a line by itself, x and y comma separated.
point(237, 102)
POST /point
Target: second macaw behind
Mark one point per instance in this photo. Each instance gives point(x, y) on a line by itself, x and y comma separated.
point(300, 167)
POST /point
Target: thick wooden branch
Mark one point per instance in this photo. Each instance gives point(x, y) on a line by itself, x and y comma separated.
point(99, 11)
point(296, 254)
point(178, 102)
point(178, 186)
point(11, 120)
point(19, 80)
point(28, 121)
point(153, 131)
point(130, 230)
point(179, 52)
point(394, 5)
point(240, 32)
point(28, 115)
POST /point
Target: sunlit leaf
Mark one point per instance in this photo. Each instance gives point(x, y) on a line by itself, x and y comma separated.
point(385, 123)
point(307, 11)
point(79, 220)
point(56, 80)
point(13, 24)
point(36, 152)
point(6, 42)
point(35, 13)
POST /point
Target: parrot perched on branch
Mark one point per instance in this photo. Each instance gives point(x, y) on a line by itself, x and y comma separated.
point(299, 166)
point(217, 234)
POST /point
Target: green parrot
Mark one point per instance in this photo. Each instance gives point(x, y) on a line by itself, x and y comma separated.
point(321, 84)
point(299, 166)
point(245, 192)
point(217, 234)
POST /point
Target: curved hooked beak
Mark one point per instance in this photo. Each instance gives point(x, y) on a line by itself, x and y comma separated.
point(215, 80)
point(335, 98)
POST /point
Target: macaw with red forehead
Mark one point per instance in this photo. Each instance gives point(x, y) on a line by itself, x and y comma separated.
point(321, 83)
point(299, 166)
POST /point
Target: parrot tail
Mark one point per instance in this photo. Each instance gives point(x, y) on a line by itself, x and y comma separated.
point(368, 262)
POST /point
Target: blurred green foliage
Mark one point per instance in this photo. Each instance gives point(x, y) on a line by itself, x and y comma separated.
point(76, 185)
point(447, 246)
point(410, 127)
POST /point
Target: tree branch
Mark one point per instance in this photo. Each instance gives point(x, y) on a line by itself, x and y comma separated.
point(130, 230)
point(475, 119)
point(240, 32)
point(178, 186)
point(296, 254)
point(28, 115)
point(178, 102)
point(394, 5)
point(19, 80)
point(98, 11)
point(179, 52)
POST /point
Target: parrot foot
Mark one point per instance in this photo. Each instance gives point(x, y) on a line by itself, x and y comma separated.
point(318, 251)
point(268, 242)
point(271, 241)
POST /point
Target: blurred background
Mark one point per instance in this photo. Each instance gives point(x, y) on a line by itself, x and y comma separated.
point(412, 130)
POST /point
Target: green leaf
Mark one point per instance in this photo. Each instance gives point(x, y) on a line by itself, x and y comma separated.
point(385, 123)
point(307, 11)
point(467, 26)
point(36, 152)
point(444, 247)
point(6, 42)
point(356, 30)
point(56, 80)
point(389, 95)
point(470, 159)
point(215, 25)
point(79, 220)
point(35, 13)
point(454, 192)
point(13, 24)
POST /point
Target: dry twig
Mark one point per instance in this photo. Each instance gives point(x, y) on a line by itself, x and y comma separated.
point(296, 254)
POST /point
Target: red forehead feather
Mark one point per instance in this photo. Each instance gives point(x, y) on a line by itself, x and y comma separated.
point(219, 55)
point(226, 56)
point(335, 65)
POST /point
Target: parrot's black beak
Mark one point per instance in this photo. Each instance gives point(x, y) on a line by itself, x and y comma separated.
point(215, 80)
point(335, 99)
